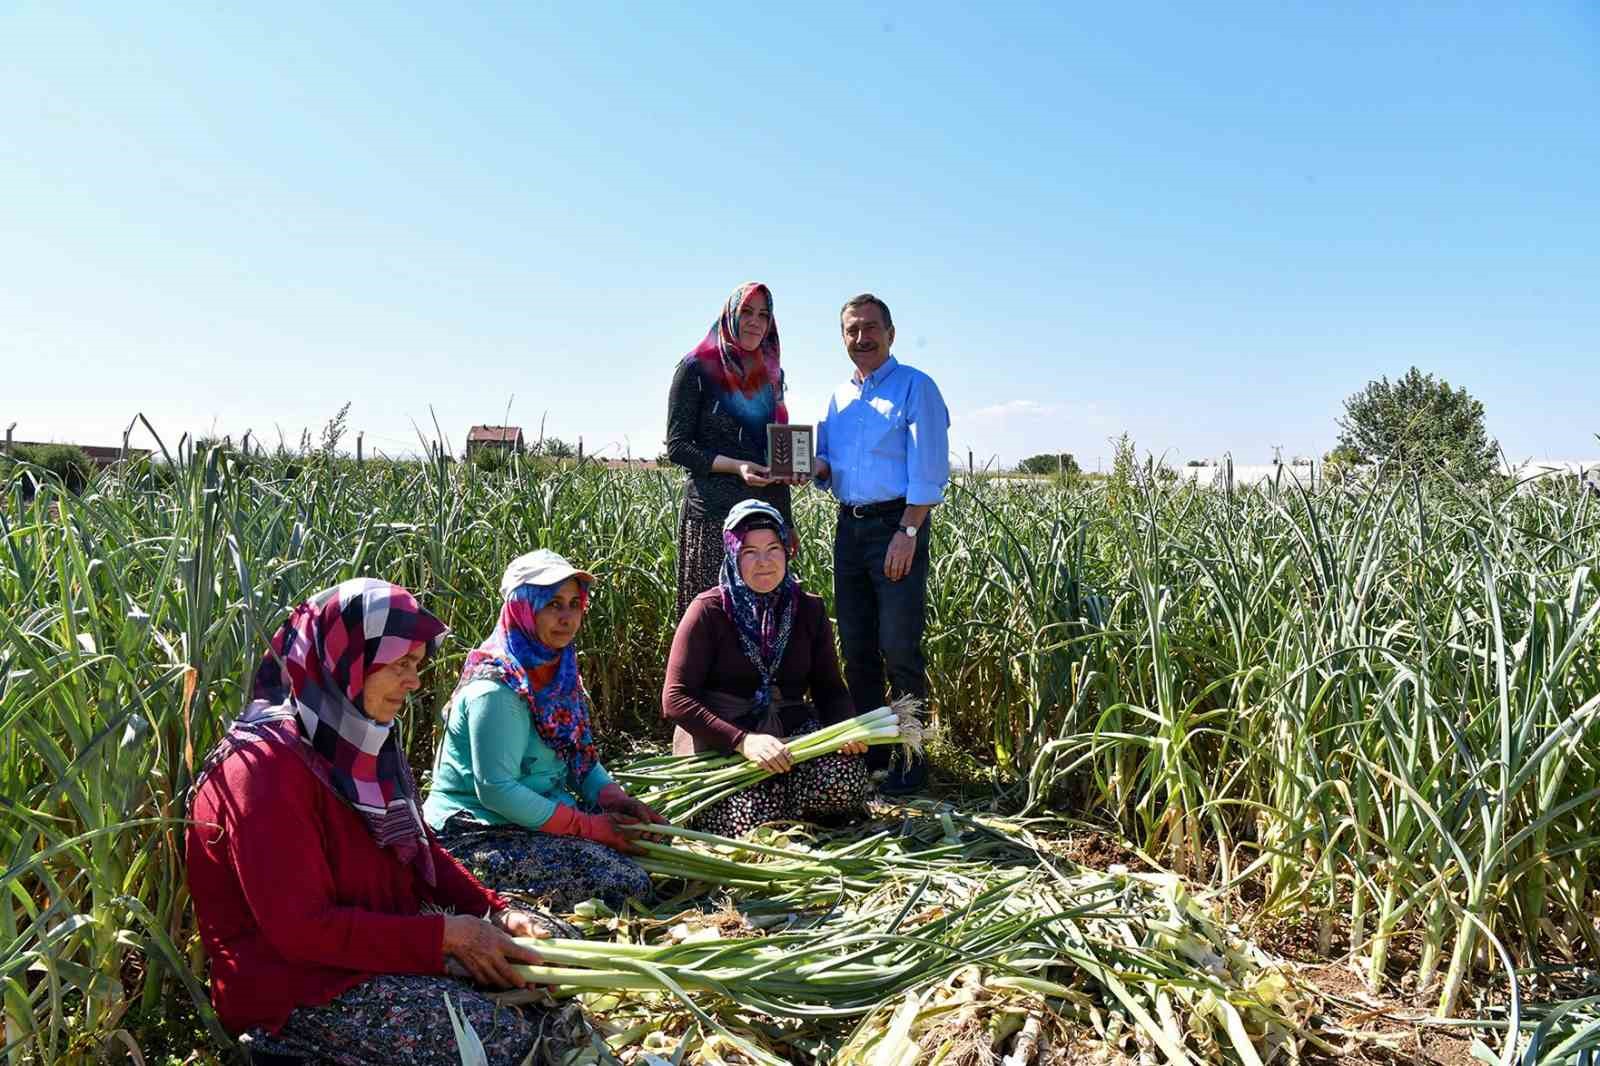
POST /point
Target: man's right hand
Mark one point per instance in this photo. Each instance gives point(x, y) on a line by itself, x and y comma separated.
point(823, 470)
point(486, 953)
point(767, 751)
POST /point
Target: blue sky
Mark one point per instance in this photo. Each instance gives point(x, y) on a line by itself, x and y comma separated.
point(1204, 224)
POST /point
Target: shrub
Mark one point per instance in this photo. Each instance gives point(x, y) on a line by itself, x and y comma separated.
point(68, 462)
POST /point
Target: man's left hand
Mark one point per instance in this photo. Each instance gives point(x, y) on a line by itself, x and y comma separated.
point(902, 553)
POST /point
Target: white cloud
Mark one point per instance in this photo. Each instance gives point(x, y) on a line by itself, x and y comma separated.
point(1013, 409)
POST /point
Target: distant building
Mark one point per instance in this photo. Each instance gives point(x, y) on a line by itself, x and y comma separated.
point(504, 438)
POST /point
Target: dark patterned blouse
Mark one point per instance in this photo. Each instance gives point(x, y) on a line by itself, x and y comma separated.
point(699, 430)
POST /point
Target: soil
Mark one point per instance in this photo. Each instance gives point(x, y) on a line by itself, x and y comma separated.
point(1096, 851)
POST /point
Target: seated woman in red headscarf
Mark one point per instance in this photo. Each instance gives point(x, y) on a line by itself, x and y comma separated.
point(326, 907)
point(753, 663)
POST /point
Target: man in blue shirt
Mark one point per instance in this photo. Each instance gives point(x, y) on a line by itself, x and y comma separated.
point(883, 450)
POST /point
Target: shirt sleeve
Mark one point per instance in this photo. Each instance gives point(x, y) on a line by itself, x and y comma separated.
point(596, 779)
point(683, 417)
point(498, 733)
point(688, 669)
point(276, 838)
point(824, 483)
point(927, 443)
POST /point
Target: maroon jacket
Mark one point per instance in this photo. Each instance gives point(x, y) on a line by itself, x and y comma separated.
point(708, 658)
point(296, 902)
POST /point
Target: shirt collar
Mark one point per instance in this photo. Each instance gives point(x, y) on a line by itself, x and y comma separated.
point(876, 377)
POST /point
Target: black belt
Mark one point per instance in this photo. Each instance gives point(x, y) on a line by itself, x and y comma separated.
point(872, 510)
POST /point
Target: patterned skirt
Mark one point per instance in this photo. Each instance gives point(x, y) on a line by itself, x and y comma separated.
point(401, 1018)
point(824, 788)
point(700, 554)
point(555, 871)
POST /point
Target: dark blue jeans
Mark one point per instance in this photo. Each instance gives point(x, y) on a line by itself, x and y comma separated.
point(880, 621)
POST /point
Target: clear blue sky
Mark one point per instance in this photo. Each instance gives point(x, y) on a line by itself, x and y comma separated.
point(1205, 224)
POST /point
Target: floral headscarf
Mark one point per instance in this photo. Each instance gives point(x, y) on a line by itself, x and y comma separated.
point(749, 384)
point(513, 653)
point(764, 621)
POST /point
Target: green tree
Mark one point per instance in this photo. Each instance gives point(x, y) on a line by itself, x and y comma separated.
point(1062, 463)
point(554, 448)
point(68, 462)
point(490, 460)
point(1421, 423)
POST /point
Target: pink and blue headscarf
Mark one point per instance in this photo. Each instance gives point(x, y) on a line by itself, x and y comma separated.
point(749, 384)
point(307, 694)
point(764, 621)
point(560, 708)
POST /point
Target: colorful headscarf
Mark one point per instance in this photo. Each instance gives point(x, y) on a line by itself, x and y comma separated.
point(307, 695)
point(764, 621)
point(749, 384)
point(513, 653)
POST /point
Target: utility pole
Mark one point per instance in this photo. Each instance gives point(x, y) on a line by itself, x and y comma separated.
point(969, 462)
point(359, 456)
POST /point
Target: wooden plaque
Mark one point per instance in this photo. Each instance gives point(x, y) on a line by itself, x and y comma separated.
point(789, 451)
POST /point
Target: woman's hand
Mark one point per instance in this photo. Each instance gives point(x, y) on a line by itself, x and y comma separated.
point(855, 747)
point(607, 829)
point(612, 798)
point(487, 953)
point(767, 751)
point(755, 475)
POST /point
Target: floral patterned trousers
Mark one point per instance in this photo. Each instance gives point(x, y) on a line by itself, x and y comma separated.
point(826, 787)
point(557, 871)
point(395, 1019)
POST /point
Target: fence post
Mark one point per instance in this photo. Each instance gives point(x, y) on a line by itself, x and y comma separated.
point(13, 426)
point(359, 455)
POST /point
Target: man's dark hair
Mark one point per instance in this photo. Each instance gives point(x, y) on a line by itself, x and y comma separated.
point(867, 298)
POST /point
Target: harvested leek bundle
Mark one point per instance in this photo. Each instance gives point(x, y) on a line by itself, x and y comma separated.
point(681, 786)
point(970, 920)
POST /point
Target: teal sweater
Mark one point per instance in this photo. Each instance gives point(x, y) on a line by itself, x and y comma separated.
point(494, 765)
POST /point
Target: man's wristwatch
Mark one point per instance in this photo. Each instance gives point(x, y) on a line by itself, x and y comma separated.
point(910, 531)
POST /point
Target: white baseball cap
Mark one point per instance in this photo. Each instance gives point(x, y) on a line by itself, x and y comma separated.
point(543, 567)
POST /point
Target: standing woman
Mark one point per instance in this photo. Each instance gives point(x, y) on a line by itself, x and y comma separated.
point(723, 395)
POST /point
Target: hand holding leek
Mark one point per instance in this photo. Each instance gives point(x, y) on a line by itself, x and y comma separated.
point(767, 752)
point(682, 786)
point(490, 956)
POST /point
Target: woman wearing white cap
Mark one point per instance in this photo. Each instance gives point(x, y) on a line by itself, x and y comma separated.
point(519, 794)
point(752, 663)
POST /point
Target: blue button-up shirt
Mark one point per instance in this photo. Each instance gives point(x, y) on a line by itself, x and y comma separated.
point(887, 437)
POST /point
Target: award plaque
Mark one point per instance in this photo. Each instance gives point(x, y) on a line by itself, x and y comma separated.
point(789, 453)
